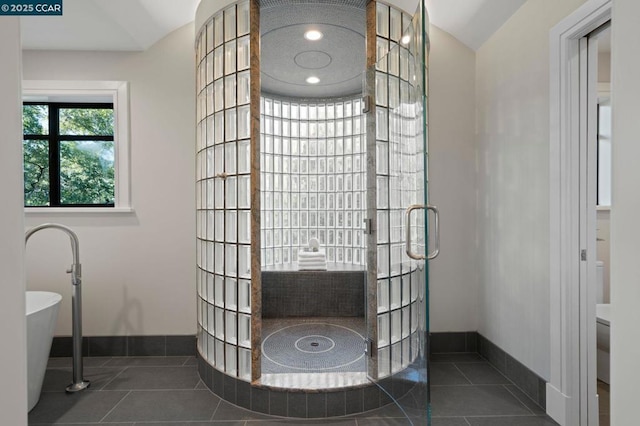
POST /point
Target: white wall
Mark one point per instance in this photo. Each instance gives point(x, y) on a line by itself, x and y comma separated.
point(139, 268)
point(453, 281)
point(625, 231)
point(512, 84)
point(13, 356)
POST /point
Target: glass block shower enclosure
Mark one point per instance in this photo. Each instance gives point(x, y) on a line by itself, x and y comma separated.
point(274, 172)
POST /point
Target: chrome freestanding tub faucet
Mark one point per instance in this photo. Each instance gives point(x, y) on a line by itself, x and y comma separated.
point(76, 300)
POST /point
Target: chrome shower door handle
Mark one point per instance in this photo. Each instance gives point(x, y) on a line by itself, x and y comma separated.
point(436, 233)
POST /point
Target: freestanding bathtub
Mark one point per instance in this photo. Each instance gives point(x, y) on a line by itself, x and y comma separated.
point(42, 313)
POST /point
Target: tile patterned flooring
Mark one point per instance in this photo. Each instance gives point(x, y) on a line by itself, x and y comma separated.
point(166, 391)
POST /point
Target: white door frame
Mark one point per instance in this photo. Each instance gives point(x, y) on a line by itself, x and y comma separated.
point(570, 398)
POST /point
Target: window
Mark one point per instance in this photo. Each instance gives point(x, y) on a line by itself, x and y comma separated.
point(68, 153)
point(76, 146)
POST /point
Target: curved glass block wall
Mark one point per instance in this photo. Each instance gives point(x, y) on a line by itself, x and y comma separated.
point(223, 171)
point(313, 178)
point(399, 174)
point(317, 168)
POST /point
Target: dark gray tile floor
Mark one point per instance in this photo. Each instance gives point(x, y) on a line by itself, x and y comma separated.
point(166, 391)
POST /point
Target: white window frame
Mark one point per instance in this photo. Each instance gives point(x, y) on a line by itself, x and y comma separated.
point(92, 91)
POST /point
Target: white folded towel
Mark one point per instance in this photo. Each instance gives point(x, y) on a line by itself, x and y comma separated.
point(311, 254)
point(311, 261)
point(312, 266)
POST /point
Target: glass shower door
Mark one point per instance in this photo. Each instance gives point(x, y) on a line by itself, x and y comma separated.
point(397, 175)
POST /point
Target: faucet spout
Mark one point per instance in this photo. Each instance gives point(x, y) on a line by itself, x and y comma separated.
point(76, 269)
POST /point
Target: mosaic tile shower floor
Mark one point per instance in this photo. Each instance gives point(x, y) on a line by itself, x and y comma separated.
point(313, 345)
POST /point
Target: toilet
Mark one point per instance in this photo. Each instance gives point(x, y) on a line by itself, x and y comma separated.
point(603, 322)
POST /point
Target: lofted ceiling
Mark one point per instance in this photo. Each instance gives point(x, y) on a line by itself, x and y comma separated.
point(337, 59)
point(137, 24)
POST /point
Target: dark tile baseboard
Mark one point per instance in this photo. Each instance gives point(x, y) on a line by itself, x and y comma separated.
point(449, 342)
point(127, 346)
point(471, 341)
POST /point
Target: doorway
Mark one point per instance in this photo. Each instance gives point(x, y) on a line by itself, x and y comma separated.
point(572, 390)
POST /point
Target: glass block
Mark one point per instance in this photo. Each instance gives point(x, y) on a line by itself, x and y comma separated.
point(209, 69)
point(394, 60)
point(231, 260)
point(218, 29)
point(231, 332)
point(243, 53)
point(209, 35)
point(396, 259)
point(244, 260)
point(244, 122)
point(382, 48)
point(244, 330)
point(415, 284)
point(244, 192)
point(230, 192)
point(231, 226)
point(231, 296)
point(396, 290)
point(218, 62)
point(231, 366)
point(244, 364)
point(383, 261)
point(219, 259)
point(382, 124)
point(243, 18)
point(219, 354)
point(230, 121)
point(414, 317)
point(244, 296)
point(406, 324)
point(219, 225)
point(395, 25)
point(219, 323)
point(396, 357)
point(394, 92)
point(211, 353)
point(244, 156)
point(383, 295)
point(384, 362)
point(210, 129)
point(230, 57)
point(218, 135)
point(209, 318)
point(383, 226)
point(382, 158)
point(383, 330)
point(230, 23)
point(404, 64)
point(244, 227)
point(210, 295)
point(383, 192)
point(396, 326)
point(218, 297)
point(206, 253)
point(230, 91)
point(230, 158)
point(219, 95)
point(244, 88)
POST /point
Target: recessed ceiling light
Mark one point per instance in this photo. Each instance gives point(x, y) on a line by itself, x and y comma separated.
point(313, 35)
point(313, 80)
point(405, 39)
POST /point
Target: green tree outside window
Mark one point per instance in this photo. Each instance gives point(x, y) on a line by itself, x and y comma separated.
point(69, 154)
